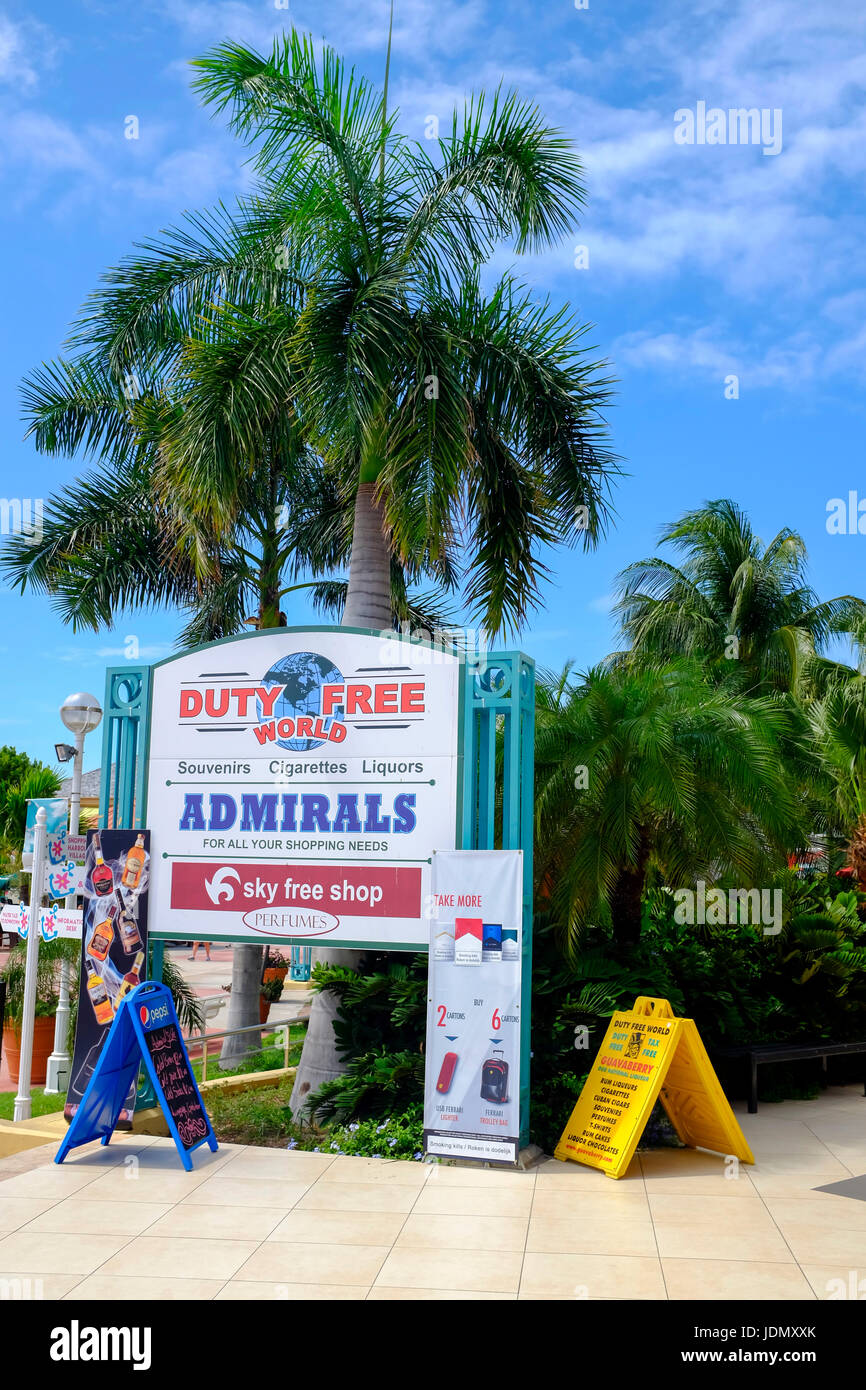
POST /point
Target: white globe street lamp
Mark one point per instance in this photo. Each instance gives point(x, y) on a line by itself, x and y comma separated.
point(81, 714)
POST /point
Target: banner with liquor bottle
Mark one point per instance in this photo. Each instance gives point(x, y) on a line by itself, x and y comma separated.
point(472, 1072)
point(113, 948)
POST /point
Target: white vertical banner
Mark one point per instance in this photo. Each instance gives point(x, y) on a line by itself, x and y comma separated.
point(472, 1074)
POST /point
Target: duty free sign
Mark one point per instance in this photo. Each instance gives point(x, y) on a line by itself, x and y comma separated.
point(298, 786)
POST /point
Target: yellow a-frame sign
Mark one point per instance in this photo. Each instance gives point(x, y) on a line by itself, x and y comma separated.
point(647, 1054)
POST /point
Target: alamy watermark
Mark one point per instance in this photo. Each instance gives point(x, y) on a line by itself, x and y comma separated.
point(22, 516)
point(735, 126)
point(846, 516)
point(715, 907)
point(435, 646)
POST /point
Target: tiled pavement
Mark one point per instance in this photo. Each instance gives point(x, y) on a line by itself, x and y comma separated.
point(127, 1222)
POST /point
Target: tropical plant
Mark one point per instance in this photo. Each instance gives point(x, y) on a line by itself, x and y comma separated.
point(426, 398)
point(838, 724)
point(652, 767)
point(443, 415)
point(734, 603)
point(37, 781)
point(51, 953)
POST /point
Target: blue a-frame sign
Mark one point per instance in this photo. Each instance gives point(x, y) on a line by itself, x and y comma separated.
point(145, 1030)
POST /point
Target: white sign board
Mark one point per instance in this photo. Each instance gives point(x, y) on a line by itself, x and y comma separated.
point(472, 1071)
point(298, 785)
point(54, 922)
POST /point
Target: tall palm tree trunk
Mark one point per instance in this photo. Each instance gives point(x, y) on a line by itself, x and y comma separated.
point(368, 600)
point(368, 604)
point(247, 960)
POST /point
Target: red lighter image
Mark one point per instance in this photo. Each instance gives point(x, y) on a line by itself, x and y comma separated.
point(446, 1073)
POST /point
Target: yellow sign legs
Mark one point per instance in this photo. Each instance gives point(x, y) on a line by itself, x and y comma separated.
point(647, 1054)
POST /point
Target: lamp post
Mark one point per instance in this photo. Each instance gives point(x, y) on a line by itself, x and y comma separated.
point(81, 714)
point(23, 1108)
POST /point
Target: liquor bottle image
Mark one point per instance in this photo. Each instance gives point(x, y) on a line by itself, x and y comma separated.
point(127, 926)
point(100, 942)
point(98, 995)
point(134, 866)
point(102, 878)
point(132, 977)
point(491, 941)
point(494, 1078)
point(446, 1073)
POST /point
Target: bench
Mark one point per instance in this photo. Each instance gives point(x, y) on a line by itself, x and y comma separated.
point(210, 1005)
point(763, 1053)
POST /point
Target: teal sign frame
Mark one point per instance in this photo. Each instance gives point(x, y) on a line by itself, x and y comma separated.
point(495, 794)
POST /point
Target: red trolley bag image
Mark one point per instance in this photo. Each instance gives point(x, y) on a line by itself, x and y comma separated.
point(494, 1079)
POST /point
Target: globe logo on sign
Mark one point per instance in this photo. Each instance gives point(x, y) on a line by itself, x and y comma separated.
point(302, 676)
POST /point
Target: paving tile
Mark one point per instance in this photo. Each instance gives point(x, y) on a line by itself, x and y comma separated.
point(249, 1292)
point(382, 1293)
point(591, 1276)
point(309, 1262)
point(278, 1163)
point(377, 1170)
point(51, 1183)
point(138, 1289)
point(35, 1252)
point(488, 1178)
point(217, 1222)
point(630, 1203)
point(616, 1234)
point(179, 1258)
point(463, 1232)
point(720, 1242)
point(18, 1211)
point(491, 1271)
point(820, 1243)
point(778, 1164)
point(787, 1185)
point(734, 1279)
point(247, 1192)
point(76, 1215)
point(823, 1209)
point(557, 1170)
point(688, 1210)
point(472, 1201)
point(339, 1227)
point(361, 1196)
point(132, 1185)
point(837, 1281)
point(15, 1286)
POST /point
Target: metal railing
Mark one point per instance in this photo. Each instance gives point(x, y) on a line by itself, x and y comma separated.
point(202, 1040)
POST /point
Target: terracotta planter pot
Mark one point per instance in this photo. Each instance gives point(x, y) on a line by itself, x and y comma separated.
point(43, 1043)
point(275, 972)
point(264, 1008)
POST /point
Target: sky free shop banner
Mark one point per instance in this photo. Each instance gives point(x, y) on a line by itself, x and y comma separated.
point(472, 1073)
point(113, 948)
point(299, 783)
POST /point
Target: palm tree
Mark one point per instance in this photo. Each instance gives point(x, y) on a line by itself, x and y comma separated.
point(449, 423)
point(650, 767)
point(733, 602)
point(119, 537)
point(444, 416)
point(838, 723)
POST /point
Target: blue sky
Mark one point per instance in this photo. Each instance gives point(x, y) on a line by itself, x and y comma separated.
point(705, 260)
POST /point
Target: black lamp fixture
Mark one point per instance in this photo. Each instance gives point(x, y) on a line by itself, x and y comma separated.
point(65, 752)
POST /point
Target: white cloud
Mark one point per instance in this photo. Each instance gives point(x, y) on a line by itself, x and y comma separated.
point(24, 48)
